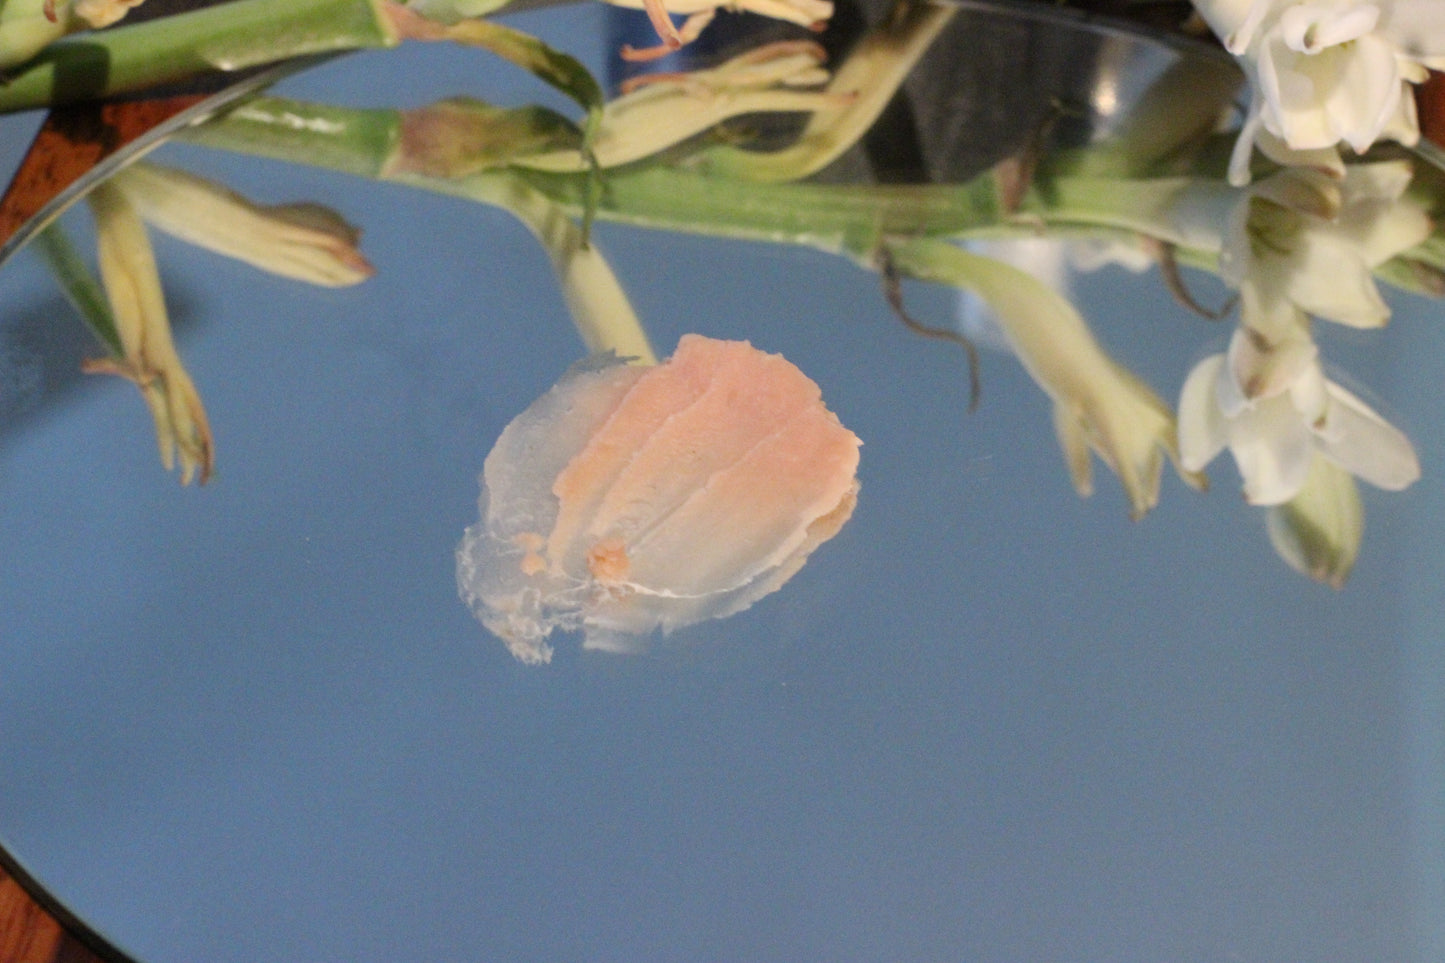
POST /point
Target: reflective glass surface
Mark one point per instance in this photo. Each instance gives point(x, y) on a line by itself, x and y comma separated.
point(990, 720)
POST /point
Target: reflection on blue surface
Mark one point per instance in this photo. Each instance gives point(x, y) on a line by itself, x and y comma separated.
point(1423, 650)
point(991, 723)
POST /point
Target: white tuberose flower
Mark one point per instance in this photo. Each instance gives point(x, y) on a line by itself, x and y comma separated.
point(1302, 240)
point(1327, 72)
point(1272, 406)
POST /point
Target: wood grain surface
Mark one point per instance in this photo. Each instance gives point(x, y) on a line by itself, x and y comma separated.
point(35, 930)
point(27, 933)
point(71, 142)
point(75, 139)
point(1430, 99)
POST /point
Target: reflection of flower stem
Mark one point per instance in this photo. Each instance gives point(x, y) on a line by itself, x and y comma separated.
point(1098, 403)
point(351, 140)
point(833, 217)
point(148, 355)
point(80, 286)
point(860, 90)
point(893, 293)
point(599, 307)
point(1184, 213)
point(227, 37)
point(372, 143)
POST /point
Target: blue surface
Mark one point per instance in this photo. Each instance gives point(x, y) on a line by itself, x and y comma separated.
point(988, 722)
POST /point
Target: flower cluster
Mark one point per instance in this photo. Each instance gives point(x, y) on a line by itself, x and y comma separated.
point(1327, 72)
point(1300, 240)
point(1273, 408)
point(1298, 245)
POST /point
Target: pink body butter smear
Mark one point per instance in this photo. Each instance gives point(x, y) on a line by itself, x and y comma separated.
point(628, 499)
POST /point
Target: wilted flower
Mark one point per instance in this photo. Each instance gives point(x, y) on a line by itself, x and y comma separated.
point(630, 498)
point(1124, 422)
point(1326, 72)
point(860, 89)
point(1271, 405)
point(699, 13)
point(302, 241)
point(657, 111)
point(1302, 241)
point(305, 241)
point(148, 353)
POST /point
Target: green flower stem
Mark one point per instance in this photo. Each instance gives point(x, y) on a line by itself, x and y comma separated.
point(832, 217)
point(1186, 211)
point(351, 140)
point(79, 285)
point(856, 220)
point(843, 219)
point(228, 37)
